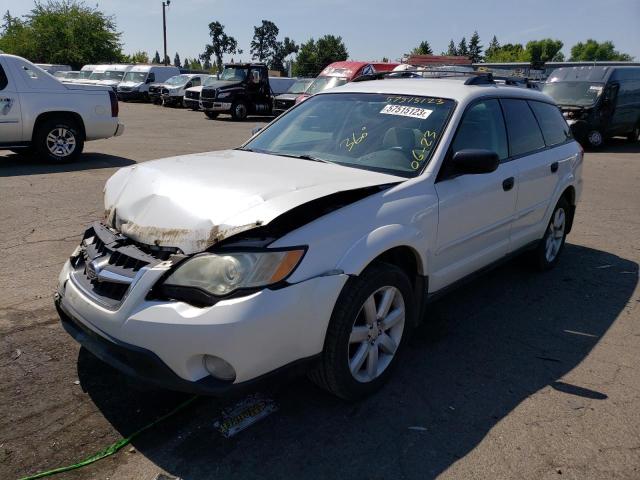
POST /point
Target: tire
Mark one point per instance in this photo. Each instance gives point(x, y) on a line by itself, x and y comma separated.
point(548, 251)
point(634, 135)
point(351, 341)
point(59, 140)
point(595, 139)
point(211, 115)
point(239, 111)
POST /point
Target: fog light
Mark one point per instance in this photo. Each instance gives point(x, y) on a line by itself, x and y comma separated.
point(219, 368)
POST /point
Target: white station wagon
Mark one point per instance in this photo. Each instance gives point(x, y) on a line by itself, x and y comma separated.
point(318, 243)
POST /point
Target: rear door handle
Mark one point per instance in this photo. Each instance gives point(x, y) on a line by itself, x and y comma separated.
point(554, 167)
point(507, 184)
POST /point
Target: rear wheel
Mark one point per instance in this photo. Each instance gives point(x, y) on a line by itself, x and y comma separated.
point(239, 111)
point(595, 139)
point(546, 254)
point(211, 115)
point(366, 333)
point(59, 140)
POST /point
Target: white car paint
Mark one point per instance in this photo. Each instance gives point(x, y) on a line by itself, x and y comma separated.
point(175, 93)
point(31, 92)
point(453, 228)
point(193, 103)
point(151, 74)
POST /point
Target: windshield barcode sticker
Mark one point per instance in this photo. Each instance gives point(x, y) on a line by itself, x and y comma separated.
point(413, 112)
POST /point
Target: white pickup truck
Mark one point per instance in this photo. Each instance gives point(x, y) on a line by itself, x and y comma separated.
point(40, 114)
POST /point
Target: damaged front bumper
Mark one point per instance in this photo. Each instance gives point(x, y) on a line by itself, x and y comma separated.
point(164, 341)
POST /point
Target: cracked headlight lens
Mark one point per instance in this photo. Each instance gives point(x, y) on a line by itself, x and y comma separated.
point(222, 274)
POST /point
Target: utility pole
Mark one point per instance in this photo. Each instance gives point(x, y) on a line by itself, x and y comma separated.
point(164, 30)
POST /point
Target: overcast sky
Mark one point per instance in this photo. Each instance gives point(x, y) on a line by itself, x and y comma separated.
point(371, 29)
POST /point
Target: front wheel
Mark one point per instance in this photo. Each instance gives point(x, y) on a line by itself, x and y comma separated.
point(595, 139)
point(546, 254)
point(366, 332)
point(59, 140)
point(211, 115)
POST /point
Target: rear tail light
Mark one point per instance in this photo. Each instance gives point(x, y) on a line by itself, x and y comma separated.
point(114, 103)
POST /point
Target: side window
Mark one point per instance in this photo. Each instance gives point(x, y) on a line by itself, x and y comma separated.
point(524, 133)
point(482, 127)
point(3, 79)
point(554, 129)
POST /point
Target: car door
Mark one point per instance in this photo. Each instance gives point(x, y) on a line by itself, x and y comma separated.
point(536, 131)
point(10, 112)
point(474, 211)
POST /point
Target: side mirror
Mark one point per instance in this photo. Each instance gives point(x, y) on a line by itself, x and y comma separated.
point(255, 130)
point(475, 161)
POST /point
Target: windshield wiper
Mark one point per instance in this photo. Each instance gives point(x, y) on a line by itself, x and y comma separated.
point(302, 157)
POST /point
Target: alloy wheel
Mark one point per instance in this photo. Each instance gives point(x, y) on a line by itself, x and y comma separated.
point(376, 334)
point(595, 138)
point(61, 142)
point(555, 235)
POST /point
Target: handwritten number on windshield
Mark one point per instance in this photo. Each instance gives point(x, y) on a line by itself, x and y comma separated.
point(352, 141)
point(426, 141)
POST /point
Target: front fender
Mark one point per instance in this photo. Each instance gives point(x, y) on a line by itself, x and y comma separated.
point(378, 241)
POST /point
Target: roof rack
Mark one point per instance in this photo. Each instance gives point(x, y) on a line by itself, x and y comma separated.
point(474, 78)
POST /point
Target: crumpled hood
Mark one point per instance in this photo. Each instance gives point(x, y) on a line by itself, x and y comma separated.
point(194, 201)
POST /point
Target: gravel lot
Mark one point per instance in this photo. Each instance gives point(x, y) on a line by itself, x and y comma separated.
point(520, 375)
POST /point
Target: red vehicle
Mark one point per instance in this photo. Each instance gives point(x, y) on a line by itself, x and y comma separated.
point(339, 73)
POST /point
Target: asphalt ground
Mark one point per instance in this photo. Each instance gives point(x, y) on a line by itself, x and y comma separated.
point(517, 375)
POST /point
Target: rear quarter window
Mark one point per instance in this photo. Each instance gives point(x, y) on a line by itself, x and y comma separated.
point(554, 128)
point(522, 128)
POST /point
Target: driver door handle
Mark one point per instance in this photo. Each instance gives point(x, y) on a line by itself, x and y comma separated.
point(507, 183)
point(554, 167)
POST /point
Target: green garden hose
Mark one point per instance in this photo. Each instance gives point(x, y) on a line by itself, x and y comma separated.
point(111, 449)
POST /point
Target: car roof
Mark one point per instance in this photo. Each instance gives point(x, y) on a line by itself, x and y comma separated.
point(452, 88)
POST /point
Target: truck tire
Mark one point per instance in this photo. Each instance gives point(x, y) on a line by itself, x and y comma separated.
point(634, 135)
point(239, 111)
point(59, 140)
point(211, 115)
point(595, 139)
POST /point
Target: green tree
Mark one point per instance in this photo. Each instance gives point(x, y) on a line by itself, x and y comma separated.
point(156, 58)
point(591, 51)
point(423, 49)
point(306, 61)
point(509, 52)
point(207, 65)
point(139, 57)
point(221, 44)
point(265, 41)
point(330, 49)
point(475, 48)
point(64, 32)
point(451, 50)
point(462, 49)
point(283, 50)
point(493, 48)
point(176, 61)
point(545, 50)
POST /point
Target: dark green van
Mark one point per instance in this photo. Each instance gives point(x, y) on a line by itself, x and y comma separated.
point(598, 102)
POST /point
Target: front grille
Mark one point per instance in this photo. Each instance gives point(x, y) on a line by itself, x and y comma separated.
point(108, 264)
point(284, 104)
point(155, 89)
point(124, 89)
point(193, 95)
point(207, 104)
point(165, 91)
point(208, 93)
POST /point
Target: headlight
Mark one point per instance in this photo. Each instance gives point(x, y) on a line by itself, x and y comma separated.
point(222, 274)
point(223, 94)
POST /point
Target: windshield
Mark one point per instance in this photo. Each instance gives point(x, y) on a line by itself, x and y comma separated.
point(113, 75)
point(84, 74)
point(210, 81)
point(96, 75)
point(178, 80)
point(299, 86)
point(388, 133)
point(73, 75)
point(579, 94)
point(136, 77)
point(234, 74)
point(323, 83)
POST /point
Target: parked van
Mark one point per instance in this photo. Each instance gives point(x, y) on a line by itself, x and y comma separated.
point(598, 101)
point(114, 75)
point(135, 84)
point(339, 73)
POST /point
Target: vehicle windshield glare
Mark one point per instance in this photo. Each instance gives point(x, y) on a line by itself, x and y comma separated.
point(579, 94)
point(234, 74)
point(84, 74)
point(394, 134)
point(210, 81)
point(299, 86)
point(178, 80)
point(136, 77)
point(324, 83)
point(113, 75)
point(96, 75)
